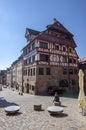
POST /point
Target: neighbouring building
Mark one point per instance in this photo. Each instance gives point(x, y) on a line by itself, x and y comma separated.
point(82, 65)
point(9, 77)
point(50, 59)
point(19, 73)
point(16, 74)
point(3, 77)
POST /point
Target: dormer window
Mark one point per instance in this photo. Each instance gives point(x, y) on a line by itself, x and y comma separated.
point(70, 50)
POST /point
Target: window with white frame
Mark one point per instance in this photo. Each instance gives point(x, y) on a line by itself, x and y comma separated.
point(43, 45)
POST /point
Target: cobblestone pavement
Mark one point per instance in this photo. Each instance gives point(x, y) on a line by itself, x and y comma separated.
point(28, 119)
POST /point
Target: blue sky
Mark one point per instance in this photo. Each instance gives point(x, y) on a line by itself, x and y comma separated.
point(17, 15)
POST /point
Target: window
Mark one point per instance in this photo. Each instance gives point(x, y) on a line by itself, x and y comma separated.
point(64, 71)
point(41, 71)
point(70, 60)
point(29, 59)
point(70, 71)
point(43, 45)
point(33, 46)
point(74, 61)
point(25, 72)
point(33, 88)
point(75, 71)
point(33, 71)
point(25, 62)
point(70, 50)
point(33, 58)
point(29, 49)
point(25, 51)
point(28, 72)
point(47, 71)
point(57, 47)
point(73, 82)
point(64, 59)
point(64, 49)
point(44, 57)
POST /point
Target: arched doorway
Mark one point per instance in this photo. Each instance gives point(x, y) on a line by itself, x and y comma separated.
point(63, 83)
point(27, 88)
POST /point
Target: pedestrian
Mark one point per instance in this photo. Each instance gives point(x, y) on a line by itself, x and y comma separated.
point(56, 99)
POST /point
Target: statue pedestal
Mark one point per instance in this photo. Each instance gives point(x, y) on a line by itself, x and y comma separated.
point(57, 103)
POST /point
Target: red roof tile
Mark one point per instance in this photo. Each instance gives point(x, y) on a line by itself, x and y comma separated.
point(50, 38)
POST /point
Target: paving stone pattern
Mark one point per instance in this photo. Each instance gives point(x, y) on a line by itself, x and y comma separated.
point(28, 119)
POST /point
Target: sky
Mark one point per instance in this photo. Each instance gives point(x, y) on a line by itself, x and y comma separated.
point(17, 15)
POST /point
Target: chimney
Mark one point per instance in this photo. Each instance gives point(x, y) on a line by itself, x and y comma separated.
point(54, 20)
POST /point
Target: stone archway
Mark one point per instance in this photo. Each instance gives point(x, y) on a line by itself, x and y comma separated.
point(63, 83)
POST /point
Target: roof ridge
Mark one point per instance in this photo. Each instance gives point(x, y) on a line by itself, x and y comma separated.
point(58, 26)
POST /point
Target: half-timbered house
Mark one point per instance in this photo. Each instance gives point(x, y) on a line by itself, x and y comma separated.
point(50, 59)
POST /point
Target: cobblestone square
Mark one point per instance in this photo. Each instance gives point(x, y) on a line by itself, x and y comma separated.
point(28, 119)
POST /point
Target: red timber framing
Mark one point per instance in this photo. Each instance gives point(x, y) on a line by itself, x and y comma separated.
point(54, 49)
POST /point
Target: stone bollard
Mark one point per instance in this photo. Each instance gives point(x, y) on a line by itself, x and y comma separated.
point(37, 107)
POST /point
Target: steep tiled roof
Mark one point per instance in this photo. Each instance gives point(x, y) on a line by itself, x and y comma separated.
point(50, 38)
point(82, 64)
point(44, 35)
point(82, 59)
point(34, 32)
point(58, 27)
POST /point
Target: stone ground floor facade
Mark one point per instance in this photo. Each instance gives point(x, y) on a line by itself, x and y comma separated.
point(38, 78)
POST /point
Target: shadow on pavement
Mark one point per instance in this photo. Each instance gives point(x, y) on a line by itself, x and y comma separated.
point(59, 115)
point(69, 94)
point(14, 114)
point(66, 93)
point(5, 103)
point(63, 106)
